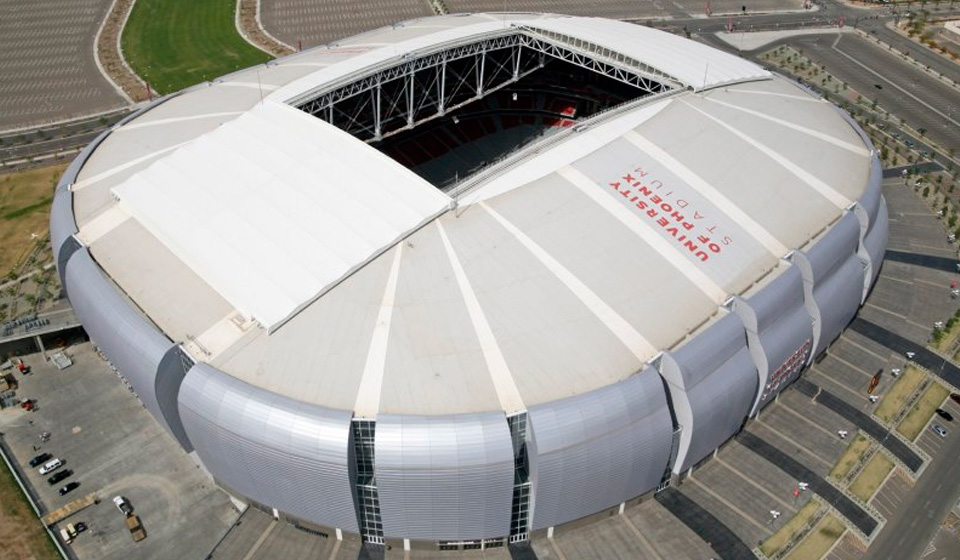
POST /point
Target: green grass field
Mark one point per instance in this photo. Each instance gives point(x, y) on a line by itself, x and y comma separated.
point(21, 532)
point(178, 43)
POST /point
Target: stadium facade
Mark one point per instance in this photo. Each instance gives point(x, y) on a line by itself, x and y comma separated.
point(632, 263)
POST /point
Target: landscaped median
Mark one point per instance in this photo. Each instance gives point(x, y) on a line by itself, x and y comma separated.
point(850, 458)
point(922, 411)
point(173, 44)
point(871, 477)
point(791, 530)
point(819, 541)
point(898, 395)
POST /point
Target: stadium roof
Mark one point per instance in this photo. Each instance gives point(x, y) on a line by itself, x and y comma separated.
point(267, 240)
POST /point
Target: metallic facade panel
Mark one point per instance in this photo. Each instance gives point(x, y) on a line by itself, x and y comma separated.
point(444, 477)
point(69, 246)
point(719, 406)
point(131, 343)
point(871, 200)
point(779, 333)
point(596, 450)
point(838, 299)
point(170, 374)
point(280, 452)
point(833, 279)
point(833, 249)
point(875, 242)
point(712, 384)
point(62, 224)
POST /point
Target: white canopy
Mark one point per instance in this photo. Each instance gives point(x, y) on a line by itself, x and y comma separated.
point(276, 206)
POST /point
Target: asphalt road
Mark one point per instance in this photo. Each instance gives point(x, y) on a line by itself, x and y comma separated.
point(844, 505)
point(905, 537)
point(724, 541)
point(935, 363)
point(57, 138)
point(920, 54)
point(863, 421)
point(904, 90)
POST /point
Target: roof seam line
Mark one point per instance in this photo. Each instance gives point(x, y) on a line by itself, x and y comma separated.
point(500, 374)
point(371, 382)
point(822, 188)
point(639, 346)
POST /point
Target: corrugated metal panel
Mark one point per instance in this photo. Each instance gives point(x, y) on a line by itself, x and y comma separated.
point(875, 242)
point(282, 453)
point(444, 477)
point(69, 246)
point(779, 333)
point(834, 248)
point(832, 280)
point(713, 382)
point(170, 374)
point(869, 204)
point(133, 345)
point(838, 299)
point(596, 450)
point(62, 224)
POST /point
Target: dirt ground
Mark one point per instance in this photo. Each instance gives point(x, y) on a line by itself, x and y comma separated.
point(25, 199)
point(22, 535)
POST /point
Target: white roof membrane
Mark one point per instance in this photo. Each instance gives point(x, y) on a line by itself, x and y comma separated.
point(274, 207)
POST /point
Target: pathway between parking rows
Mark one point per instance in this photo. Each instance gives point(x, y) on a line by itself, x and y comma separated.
point(704, 524)
point(854, 513)
point(863, 421)
point(947, 371)
point(920, 259)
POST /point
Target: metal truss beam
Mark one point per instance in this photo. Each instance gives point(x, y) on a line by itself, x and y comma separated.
point(424, 87)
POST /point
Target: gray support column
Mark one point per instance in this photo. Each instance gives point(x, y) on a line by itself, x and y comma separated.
point(409, 87)
point(43, 351)
point(377, 115)
point(441, 107)
point(480, 71)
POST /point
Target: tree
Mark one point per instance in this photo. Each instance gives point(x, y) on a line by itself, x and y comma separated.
point(926, 192)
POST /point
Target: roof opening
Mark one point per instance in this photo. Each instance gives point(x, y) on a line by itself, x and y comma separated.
point(449, 114)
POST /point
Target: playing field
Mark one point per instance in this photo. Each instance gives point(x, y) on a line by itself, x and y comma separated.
point(178, 43)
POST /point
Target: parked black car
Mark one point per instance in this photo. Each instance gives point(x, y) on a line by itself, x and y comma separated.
point(40, 459)
point(945, 415)
point(57, 477)
point(71, 486)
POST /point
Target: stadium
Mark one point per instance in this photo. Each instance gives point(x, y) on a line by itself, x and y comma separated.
point(463, 278)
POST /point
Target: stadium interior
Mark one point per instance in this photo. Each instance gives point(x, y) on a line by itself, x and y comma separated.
point(449, 115)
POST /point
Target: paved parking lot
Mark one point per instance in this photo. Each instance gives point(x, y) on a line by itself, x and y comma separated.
point(48, 69)
point(309, 23)
point(723, 7)
point(113, 446)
